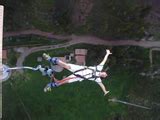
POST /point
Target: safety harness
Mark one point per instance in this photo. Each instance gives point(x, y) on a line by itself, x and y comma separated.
point(53, 84)
point(83, 77)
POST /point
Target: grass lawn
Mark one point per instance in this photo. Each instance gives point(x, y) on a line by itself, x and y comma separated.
point(76, 101)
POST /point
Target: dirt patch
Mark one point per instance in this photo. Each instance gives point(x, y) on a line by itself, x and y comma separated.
point(81, 10)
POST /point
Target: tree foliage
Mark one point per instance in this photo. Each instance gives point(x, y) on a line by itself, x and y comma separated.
point(123, 19)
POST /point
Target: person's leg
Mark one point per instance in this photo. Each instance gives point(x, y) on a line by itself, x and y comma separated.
point(49, 86)
point(75, 78)
point(66, 80)
point(70, 67)
point(56, 61)
point(74, 68)
point(64, 65)
point(69, 79)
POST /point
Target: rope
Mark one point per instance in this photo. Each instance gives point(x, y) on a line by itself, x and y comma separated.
point(127, 103)
point(23, 67)
point(25, 109)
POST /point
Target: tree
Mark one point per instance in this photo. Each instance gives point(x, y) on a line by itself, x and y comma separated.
point(123, 19)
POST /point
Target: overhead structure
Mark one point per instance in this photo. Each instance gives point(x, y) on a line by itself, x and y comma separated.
point(1, 44)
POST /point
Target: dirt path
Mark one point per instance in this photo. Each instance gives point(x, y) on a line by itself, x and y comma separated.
point(34, 32)
point(74, 39)
point(86, 39)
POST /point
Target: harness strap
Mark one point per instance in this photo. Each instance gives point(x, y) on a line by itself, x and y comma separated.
point(80, 70)
point(93, 73)
point(80, 76)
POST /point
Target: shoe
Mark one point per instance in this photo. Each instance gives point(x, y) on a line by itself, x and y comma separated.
point(106, 93)
point(108, 52)
point(48, 88)
point(45, 56)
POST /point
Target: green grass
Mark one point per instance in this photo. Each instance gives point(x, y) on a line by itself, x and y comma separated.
point(80, 100)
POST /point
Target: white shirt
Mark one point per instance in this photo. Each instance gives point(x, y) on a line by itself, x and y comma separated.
point(88, 73)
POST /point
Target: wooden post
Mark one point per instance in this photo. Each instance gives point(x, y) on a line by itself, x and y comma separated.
point(1, 31)
point(150, 57)
point(1, 44)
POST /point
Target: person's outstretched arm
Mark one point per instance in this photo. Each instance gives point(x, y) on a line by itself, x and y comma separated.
point(103, 88)
point(106, 57)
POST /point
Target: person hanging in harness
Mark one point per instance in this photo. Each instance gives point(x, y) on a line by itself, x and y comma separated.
point(79, 73)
